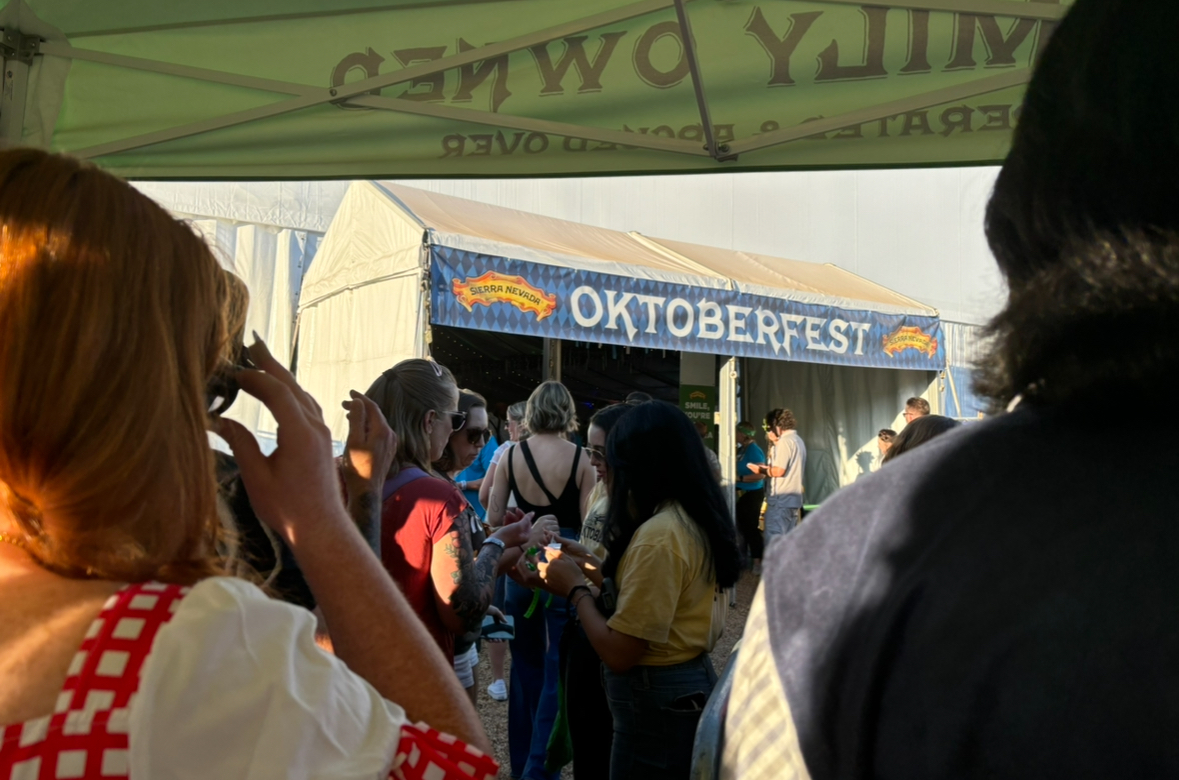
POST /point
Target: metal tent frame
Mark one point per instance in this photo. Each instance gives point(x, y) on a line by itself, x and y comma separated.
point(19, 51)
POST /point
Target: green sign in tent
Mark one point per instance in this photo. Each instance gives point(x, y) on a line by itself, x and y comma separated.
point(320, 88)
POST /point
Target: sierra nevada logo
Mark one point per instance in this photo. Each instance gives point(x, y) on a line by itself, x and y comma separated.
point(909, 338)
point(493, 287)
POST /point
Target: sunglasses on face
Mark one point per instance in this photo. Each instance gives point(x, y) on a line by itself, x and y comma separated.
point(478, 435)
point(457, 419)
point(596, 454)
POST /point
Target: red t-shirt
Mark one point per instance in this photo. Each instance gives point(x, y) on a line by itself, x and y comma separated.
point(413, 520)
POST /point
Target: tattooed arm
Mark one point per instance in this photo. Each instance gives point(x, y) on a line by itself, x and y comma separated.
point(463, 585)
point(364, 507)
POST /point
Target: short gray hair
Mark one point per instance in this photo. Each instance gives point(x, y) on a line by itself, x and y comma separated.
point(550, 409)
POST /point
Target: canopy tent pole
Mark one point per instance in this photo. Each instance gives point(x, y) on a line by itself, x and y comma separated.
point(689, 43)
point(725, 442)
point(552, 360)
point(727, 420)
point(18, 51)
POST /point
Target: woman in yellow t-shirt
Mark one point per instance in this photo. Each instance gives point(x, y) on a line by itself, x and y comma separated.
point(670, 544)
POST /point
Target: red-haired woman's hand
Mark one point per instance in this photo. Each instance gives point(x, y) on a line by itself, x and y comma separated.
point(296, 486)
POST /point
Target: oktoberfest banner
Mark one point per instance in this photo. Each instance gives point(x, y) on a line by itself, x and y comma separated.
point(486, 292)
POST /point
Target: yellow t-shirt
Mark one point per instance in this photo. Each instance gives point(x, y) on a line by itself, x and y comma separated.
point(665, 594)
point(593, 528)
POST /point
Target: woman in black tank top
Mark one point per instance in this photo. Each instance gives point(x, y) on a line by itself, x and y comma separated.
point(566, 507)
point(532, 692)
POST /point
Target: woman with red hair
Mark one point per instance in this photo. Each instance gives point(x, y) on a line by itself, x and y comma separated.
point(126, 652)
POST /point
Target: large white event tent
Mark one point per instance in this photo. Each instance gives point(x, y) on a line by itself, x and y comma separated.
point(397, 260)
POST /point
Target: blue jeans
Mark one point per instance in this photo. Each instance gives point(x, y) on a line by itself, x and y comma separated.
point(656, 710)
point(536, 667)
point(781, 517)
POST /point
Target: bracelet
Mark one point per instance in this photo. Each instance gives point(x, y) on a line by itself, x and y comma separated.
point(576, 588)
point(588, 594)
point(492, 540)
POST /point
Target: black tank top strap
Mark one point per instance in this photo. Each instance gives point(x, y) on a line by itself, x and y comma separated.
point(527, 453)
point(571, 483)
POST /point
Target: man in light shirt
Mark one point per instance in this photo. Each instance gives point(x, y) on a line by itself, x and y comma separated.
point(787, 463)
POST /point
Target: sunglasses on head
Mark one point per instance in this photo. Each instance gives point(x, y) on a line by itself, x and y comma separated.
point(457, 419)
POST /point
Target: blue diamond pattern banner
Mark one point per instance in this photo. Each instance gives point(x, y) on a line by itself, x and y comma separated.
point(486, 292)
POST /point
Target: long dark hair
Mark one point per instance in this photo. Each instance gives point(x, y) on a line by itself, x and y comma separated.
point(917, 433)
point(655, 455)
point(1084, 219)
point(607, 417)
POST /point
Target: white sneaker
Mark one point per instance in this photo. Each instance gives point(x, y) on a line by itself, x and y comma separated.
point(498, 690)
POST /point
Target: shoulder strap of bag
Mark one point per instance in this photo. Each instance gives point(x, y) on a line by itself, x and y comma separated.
point(403, 478)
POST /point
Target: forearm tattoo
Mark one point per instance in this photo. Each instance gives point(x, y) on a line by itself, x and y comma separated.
point(474, 578)
point(365, 509)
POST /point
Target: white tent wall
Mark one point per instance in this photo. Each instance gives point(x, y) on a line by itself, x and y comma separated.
point(839, 411)
point(918, 232)
point(363, 301)
point(965, 349)
point(271, 263)
point(260, 232)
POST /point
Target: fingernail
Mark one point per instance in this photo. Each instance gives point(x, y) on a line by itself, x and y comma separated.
point(257, 339)
point(354, 394)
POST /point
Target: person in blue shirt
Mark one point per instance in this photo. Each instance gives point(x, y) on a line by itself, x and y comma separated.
point(751, 494)
point(470, 479)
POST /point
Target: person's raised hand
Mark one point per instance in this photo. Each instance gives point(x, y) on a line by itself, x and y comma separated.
point(296, 486)
point(559, 573)
point(515, 533)
point(371, 445)
point(544, 531)
point(511, 515)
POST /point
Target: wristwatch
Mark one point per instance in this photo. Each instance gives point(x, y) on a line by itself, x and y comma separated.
point(497, 542)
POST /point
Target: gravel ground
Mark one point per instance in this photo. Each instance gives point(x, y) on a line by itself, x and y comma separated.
point(495, 713)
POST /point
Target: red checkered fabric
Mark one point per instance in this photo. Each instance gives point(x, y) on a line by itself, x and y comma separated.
point(86, 735)
point(425, 754)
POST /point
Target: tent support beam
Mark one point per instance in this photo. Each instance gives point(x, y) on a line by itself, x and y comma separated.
point(527, 124)
point(714, 151)
point(18, 51)
point(884, 110)
point(315, 96)
point(552, 360)
point(66, 51)
point(726, 424)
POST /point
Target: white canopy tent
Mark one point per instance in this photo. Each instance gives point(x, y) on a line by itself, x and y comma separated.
point(381, 277)
point(267, 234)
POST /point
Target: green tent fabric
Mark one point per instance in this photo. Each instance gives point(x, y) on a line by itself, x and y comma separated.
point(227, 89)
